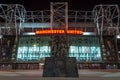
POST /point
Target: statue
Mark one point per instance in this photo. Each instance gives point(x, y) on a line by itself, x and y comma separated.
point(60, 46)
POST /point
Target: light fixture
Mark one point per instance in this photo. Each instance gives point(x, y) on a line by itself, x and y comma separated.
point(1, 36)
point(118, 51)
point(89, 33)
point(29, 33)
point(118, 36)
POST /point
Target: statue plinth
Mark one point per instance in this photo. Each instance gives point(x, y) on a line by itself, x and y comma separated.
point(60, 67)
point(59, 64)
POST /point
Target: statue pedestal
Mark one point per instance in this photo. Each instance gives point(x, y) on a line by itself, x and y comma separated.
point(60, 67)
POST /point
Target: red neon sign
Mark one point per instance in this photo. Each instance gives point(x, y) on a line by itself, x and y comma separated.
point(78, 32)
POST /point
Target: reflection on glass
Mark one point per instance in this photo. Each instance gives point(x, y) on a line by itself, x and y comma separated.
point(33, 53)
point(33, 48)
point(85, 48)
point(36, 48)
point(85, 53)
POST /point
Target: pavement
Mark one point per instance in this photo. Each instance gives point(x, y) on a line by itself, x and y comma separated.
point(98, 74)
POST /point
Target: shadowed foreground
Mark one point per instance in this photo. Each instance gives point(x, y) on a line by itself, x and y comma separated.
point(83, 75)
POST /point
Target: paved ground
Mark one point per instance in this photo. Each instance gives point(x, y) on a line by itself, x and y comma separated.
point(83, 75)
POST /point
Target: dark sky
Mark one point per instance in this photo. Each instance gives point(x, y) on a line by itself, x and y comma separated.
point(73, 4)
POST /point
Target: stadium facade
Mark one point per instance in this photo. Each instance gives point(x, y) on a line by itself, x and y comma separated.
point(27, 37)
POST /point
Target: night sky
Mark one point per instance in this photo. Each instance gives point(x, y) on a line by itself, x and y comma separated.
point(85, 5)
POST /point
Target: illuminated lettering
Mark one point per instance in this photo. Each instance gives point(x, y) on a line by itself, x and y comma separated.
point(39, 32)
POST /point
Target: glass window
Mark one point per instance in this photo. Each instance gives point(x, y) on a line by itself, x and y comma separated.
point(84, 53)
point(30, 49)
point(87, 49)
